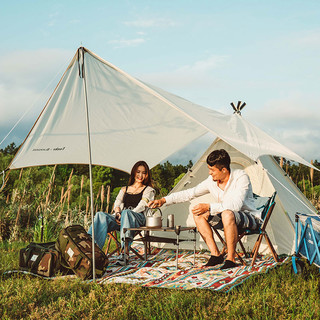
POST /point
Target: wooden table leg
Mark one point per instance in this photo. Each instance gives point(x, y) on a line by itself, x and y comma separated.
point(146, 233)
point(177, 253)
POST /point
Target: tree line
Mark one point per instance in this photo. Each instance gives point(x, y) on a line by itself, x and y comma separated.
point(307, 179)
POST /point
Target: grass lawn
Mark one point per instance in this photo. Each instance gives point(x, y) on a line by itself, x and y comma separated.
point(278, 294)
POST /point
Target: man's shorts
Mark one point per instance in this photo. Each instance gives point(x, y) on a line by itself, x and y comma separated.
point(244, 220)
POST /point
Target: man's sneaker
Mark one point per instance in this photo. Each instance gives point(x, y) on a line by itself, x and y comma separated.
point(229, 264)
point(214, 260)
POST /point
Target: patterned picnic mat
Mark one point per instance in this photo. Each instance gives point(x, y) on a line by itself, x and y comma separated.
point(160, 271)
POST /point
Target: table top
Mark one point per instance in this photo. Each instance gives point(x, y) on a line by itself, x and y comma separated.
point(174, 229)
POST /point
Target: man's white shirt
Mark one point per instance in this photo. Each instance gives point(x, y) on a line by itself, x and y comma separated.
point(237, 195)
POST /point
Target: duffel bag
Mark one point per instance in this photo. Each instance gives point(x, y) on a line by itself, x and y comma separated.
point(75, 247)
point(40, 258)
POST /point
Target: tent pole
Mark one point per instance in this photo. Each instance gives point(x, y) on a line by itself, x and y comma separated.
point(90, 169)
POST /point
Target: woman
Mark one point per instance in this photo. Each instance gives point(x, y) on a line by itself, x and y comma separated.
point(129, 207)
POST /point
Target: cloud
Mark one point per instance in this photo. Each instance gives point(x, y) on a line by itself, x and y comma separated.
point(75, 21)
point(27, 78)
point(52, 20)
point(294, 122)
point(123, 43)
point(309, 38)
point(199, 74)
point(295, 113)
point(150, 23)
point(31, 69)
point(205, 65)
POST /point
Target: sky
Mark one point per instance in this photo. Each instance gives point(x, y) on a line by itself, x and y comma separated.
point(207, 51)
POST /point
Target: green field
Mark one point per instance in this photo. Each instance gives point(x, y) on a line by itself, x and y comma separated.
point(279, 294)
point(60, 195)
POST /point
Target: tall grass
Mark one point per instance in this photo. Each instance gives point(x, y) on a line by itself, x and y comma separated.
point(279, 294)
point(57, 204)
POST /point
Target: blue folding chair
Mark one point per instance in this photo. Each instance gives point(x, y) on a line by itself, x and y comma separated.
point(307, 241)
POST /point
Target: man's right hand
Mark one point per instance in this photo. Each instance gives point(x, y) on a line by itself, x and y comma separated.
point(156, 203)
point(200, 209)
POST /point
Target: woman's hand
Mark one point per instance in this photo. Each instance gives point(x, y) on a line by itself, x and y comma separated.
point(118, 217)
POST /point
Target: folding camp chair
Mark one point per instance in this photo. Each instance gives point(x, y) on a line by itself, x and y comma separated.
point(261, 231)
point(113, 236)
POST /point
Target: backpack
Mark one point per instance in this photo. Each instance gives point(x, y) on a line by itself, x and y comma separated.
point(40, 258)
point(75, 247)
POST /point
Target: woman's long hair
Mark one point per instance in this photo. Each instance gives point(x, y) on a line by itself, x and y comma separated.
point(147, 181)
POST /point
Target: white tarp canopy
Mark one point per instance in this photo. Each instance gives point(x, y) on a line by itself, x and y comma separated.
point(129, 121)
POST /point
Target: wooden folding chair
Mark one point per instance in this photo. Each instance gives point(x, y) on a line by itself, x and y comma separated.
point(261, 231)
point(112, 236)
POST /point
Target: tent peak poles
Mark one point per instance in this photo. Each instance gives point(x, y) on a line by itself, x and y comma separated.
point(82, 75)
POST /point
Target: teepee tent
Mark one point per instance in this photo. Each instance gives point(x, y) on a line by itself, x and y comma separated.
point(100, 115)
point(266, 176)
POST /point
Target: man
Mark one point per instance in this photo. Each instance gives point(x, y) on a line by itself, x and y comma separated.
point(234, 207)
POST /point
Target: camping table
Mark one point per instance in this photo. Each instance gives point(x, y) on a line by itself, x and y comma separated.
point(146, 238)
